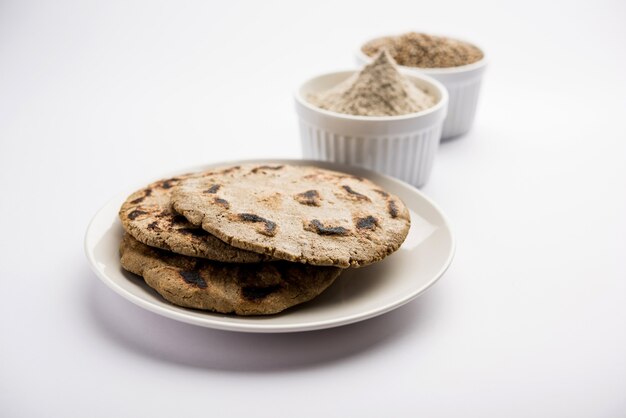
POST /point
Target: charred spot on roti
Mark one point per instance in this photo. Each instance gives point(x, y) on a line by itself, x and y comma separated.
point(146, 193)
point(258, 292)
point(196, 232)
point(369, 222)
point(229, 170)
point(354, 194)
point(309, 198)
point(136, 213)
point(381, 192)
point(222, 202)
point(179, 219)
point(392, 208)
point(266, 167)
point(269, 226)
point(169, 183)
point(154, 226)
point(319, 228)
point(213, 189)
point(193, 278)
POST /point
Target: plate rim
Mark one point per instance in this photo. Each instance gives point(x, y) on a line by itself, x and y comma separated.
point(215, 323)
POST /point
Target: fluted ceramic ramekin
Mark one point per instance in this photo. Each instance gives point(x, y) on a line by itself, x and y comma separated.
point(463, 84)
point(402, 146)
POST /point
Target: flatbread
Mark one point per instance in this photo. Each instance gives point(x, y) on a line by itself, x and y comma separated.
point(296, 213)
point(147, 215)
point(243, 289)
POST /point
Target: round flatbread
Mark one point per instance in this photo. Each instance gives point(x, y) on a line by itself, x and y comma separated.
point(147, 215)
point(243, 289)
point(296, 213)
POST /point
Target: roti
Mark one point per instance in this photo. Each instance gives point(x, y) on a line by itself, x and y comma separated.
point(297, 213)
point(147, 215)
point(244, 289)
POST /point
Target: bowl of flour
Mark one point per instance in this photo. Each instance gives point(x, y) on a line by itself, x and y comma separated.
point(379, 118)
point(457, 64)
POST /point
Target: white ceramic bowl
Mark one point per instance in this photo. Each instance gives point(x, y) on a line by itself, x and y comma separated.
point(401, 146)
point(463, 84)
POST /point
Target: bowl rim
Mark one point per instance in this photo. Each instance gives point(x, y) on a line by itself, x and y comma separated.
point(431, 70)
point(441, 104)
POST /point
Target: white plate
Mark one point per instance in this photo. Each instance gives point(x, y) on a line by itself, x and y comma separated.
point(358, 294)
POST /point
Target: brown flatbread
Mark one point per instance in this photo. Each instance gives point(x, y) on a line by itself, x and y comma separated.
point(243, 289)
point(296, 213)
point(147, 215)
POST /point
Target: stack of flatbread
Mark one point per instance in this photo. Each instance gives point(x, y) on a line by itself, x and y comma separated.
point(256, 239)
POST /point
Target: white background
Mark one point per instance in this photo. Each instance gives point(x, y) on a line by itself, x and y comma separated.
point(530, 320)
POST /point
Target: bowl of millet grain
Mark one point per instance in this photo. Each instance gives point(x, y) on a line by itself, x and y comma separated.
point(456, 64)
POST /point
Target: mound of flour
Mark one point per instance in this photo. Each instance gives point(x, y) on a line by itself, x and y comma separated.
point(378, 90)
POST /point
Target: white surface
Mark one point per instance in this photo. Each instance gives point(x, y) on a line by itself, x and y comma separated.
point(357, 295)
point(528, 321)
point(403, 146)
